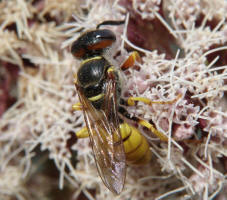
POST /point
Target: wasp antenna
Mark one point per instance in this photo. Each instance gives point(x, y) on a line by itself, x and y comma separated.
point(111, 23)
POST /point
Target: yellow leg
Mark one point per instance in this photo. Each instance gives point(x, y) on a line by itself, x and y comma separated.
point(131, 100)
point(130, 61)
point(77, 106)
point(82, 133)
point(149, 126)
point(143, 123)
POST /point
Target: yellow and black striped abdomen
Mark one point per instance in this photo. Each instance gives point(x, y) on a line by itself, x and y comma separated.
point(135, 144)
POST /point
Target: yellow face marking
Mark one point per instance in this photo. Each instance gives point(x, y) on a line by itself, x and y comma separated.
point(95, 98)
point(89, 59)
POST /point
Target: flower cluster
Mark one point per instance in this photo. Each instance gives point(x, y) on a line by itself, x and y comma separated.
point(183, 49)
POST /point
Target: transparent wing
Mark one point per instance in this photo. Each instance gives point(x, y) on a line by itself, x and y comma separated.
point(106, 139)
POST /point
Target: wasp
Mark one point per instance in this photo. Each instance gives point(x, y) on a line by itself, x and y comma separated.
point(114, 142)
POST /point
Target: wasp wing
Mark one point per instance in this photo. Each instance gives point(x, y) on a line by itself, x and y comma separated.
point(105, 137)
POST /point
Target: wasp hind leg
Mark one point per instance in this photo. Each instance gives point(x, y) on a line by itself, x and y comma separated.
point(144, 123)
point(131, 102)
